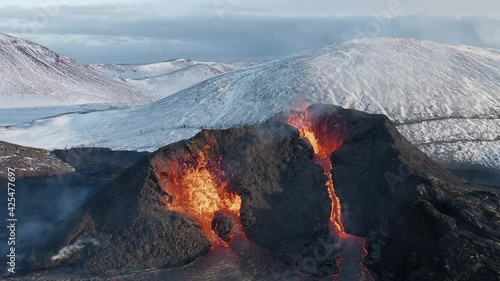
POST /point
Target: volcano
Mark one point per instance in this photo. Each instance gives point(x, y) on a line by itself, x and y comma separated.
point(331, 193)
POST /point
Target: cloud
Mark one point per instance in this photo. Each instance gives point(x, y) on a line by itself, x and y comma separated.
point(121, 34)
point(286, 7)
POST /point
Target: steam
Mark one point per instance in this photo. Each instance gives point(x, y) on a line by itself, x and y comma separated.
point(67, 251)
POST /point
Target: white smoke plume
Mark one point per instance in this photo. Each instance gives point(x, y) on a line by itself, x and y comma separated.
point(67, 251)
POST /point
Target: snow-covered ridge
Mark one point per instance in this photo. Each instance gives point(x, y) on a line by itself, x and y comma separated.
point(168, 77)
point(144, 71)
point(33, 75)
point(141, 71)
point(415, 83)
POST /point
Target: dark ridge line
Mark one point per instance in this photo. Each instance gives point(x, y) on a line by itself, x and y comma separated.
point(455, 141)
point(446, 118)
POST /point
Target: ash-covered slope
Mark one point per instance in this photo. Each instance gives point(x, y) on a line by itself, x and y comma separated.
point(443, 98)
point(33, 75)
point(421, 222)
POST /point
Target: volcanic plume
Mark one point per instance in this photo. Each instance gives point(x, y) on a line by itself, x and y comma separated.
point(326, 138)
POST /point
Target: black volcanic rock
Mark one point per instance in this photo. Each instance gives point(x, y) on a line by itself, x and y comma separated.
point(97, 166)
point(285, 205)
point(222, 226)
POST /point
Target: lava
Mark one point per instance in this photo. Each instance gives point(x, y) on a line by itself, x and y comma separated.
point(325, 139)
point(196, 186)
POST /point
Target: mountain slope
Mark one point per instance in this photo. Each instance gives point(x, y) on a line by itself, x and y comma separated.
point(141, 71)
point(169, 77)
point(443, 98)
point(34, 75)
point(30, 162)
point(173, 82)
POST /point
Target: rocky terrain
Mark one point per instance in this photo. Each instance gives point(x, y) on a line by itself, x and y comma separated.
point(30, 162)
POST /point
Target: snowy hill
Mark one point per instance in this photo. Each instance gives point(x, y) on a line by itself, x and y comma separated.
point(445, 99)
point(169, 77)
point(32, 75)
point(141, 71)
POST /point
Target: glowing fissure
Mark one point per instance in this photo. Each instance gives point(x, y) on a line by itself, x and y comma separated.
point(324, 141)
point(323, 148)
point(196, 186)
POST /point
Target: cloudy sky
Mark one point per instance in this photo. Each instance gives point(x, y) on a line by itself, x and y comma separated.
point(132, 31)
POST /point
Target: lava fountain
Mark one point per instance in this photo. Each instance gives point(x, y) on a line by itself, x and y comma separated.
point(197, 187)
point(324, 140)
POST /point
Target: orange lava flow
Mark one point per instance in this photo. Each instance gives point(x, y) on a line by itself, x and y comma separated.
point(196, 187)
point(324, 145)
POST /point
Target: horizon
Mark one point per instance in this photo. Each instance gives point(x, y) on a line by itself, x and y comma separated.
point(236, 61)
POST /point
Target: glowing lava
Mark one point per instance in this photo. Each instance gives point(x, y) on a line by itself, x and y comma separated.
point(325, 140)
point(196, 186)
point(324, 144)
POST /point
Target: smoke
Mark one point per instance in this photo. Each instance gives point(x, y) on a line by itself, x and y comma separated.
point(67, 251)
point(42, 205)
point(70, 199)
point(38, 216)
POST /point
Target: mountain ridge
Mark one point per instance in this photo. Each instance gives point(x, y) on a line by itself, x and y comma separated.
point(33, 74)
point(168, 77)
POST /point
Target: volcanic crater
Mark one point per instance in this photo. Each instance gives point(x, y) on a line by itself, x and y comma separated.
point(331, 193)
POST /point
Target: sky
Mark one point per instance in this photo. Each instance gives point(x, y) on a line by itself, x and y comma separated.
point(132, 31)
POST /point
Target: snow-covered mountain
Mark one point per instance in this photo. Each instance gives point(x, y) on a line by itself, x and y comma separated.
point(445, 99)
point(169, 77)
point(32, 75)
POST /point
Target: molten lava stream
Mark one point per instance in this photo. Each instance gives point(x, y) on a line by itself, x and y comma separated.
point(325, 141)
point(196, 187)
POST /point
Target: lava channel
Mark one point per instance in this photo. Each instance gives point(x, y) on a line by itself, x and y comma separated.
point(197, 187)
point(325, 140)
